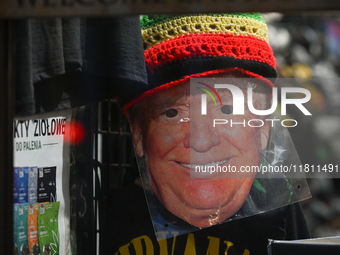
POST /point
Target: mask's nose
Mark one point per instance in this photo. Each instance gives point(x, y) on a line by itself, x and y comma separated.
point(202, 135)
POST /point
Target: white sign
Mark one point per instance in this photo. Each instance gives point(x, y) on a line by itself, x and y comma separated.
point(39, 146)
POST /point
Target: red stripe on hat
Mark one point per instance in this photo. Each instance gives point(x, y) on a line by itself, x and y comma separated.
point(209, 44)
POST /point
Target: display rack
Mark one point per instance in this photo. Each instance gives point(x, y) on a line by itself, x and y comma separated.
point(113, 156)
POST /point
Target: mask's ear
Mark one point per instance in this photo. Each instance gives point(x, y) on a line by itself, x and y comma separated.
point(264, 135)
point(137, 139)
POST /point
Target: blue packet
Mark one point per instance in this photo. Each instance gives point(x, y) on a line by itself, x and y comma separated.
point(23, 185)
point(33, 185)
point(15, 185)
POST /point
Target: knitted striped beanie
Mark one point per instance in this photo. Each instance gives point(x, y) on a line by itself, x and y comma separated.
point(177, 48)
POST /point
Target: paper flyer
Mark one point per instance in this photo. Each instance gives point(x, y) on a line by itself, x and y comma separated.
point(41, 173)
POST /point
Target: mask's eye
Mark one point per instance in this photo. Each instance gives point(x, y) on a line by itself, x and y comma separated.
point(171, 113)
point(227, 109)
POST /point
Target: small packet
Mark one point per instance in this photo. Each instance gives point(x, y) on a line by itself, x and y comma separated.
point(33, 238)
point(48, 228)
point(15, 185)
point(23, 185)
point(47, 184)
point(22, 239)
point(15, 239)
point(33, 185)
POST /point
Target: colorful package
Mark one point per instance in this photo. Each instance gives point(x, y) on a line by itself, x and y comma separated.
point(22, 240)
point(15, 239)
point(48, 228)
point(33, 239)
point(15, 185)
point(33, 185)
point(23, 184)
point(47, 184)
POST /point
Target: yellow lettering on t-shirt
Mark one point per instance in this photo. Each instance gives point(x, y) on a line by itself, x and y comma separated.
point(137, 244)
point(229, 244)
point(246, 252)
point(163, 247)
point(124, 250)
point(173, 245)
point(190, 248)
point(214, 246)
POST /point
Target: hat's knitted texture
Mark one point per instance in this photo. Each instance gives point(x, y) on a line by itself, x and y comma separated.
point(178, 48)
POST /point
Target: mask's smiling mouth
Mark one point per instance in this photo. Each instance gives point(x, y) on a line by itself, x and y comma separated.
point(195, 166)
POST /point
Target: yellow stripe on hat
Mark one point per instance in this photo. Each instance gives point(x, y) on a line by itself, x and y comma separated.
point(204, 24)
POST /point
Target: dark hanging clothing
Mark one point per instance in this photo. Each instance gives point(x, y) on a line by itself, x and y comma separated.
point(66, 62)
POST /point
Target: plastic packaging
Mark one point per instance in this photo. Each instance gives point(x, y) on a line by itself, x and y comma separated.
point(210, 153)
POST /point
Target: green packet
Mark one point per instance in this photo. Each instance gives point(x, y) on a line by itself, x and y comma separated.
point(48, 228)
point(15, 218)
point(21, 225)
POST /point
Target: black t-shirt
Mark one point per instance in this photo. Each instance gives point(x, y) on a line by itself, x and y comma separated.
point(68, 62)
point(127, 229)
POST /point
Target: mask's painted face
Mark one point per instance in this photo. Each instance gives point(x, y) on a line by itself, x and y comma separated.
point(175, 142)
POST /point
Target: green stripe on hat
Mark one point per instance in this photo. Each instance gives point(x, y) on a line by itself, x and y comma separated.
point(147, 21)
